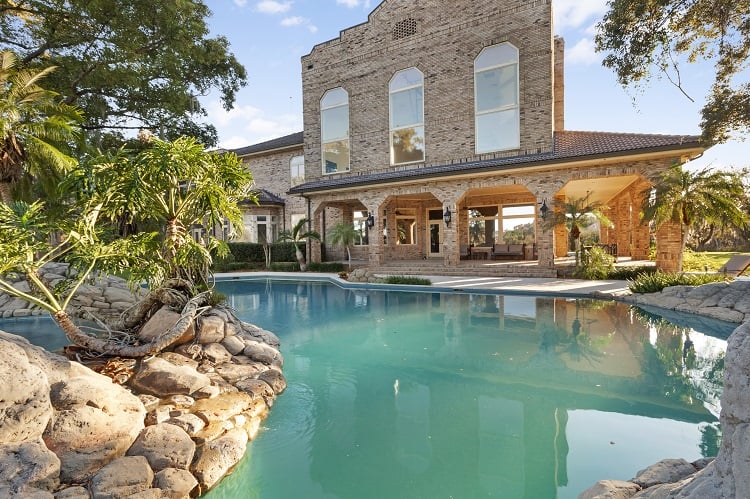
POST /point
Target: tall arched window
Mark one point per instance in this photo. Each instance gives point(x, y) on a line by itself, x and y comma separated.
point(407, 116)
point(496, 98)
point(334, 130)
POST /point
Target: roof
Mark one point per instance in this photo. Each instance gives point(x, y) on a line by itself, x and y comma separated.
point(265, 198)
point(285, 142)
point(568, 146)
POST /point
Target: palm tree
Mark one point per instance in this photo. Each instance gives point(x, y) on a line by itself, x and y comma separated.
point(688, 198)
point(344, 234)
point(296, 236)
point(577, 214)
point(32, 122)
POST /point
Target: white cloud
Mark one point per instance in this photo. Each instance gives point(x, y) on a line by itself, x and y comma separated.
point(240, 3)
point(247, 125)
point(273, 7)
point(299, 21)
point(583, 52)
point(349, 3)
point(575, 13)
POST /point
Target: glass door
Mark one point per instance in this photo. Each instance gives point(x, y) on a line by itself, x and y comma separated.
point(435, 233)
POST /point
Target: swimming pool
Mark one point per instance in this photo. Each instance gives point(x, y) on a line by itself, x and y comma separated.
point(429, 395)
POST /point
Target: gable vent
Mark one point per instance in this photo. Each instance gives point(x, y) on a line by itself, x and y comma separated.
point(404, 28)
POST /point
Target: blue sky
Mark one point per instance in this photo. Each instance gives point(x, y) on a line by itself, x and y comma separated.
point(269, 37)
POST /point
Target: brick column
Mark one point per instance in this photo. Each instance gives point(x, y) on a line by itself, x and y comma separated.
point(640, 249)
point(668, 246)
point(376, 248)
point(314, 252)
point(561, 233)
point(450, 235)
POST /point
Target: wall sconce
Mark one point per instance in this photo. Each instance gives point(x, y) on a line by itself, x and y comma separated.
point(370, 221)
point(544, 209)
point(447, 216)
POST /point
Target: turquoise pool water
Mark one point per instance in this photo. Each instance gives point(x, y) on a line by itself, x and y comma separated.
point(428, 395)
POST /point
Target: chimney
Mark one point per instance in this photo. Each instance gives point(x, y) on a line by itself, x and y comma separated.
point(558, 84)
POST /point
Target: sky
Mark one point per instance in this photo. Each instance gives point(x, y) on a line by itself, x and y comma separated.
point(270, 36)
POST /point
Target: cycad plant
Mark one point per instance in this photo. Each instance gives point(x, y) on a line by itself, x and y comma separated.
point(344, 234)
point(296, 236)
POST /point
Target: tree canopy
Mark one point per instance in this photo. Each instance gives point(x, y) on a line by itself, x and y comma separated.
point(644, 38)
point(128, 64)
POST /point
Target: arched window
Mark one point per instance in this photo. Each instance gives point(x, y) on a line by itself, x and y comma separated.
point(496, 99)
point(407, 116)
point(334, 130)
point(297, 170)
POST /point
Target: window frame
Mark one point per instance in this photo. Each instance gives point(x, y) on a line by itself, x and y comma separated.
point(420, 124)
point(503, 109)
point(299, 178)
point(323, 143)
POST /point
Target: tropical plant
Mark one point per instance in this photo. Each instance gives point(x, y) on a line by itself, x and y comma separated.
point(685, 197)
point(296, 235)
point(655, 282)
point(25, 246)
point(647, 37)
point(173, 186)
point(576, 214)
point(344, 234)
point(33, 125)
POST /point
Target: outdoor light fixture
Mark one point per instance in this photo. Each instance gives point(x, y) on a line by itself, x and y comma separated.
point(544, 209)
point(370, 221)
point(447, 216)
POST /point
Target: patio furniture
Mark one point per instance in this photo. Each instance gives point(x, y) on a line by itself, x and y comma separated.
point(513, 251)
point(464, 252)
point(483, 251)
point(736, 265)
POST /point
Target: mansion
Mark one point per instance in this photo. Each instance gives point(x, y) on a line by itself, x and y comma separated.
point(437, 129)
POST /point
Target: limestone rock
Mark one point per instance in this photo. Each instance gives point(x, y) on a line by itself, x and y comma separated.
point(665, 471)
point(24, 403)
point(160, 323)
point(210, 330)
point(75, 492)
point(223, 407)
point(274, 379)
point(233, 344)
point(122, 478)
point(161, 378)
point(29, 464)
point(190, 423)
point(218, 457)
point(164, 446)
point(95, 422)
point(235, 372)
point(24, 493)
point(215, 352)
point(610, 489)
point(176, 484)
point(256, 388)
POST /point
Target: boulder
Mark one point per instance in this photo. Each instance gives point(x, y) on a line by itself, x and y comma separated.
point(223, 407)
point(665, 471)
point(215, 352)
point(164, 446)
point(24, 403)
point(161, 378)
point(95, 422)
point(210, 329)
point(29, 464)
point(218, 457)
point(161, 322)
point(175, 483)
point(232, 372)
point(122, 478)
point(610, 489)
point(274, 379)
point(75, 492)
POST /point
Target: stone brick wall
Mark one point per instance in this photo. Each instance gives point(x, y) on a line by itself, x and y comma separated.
point(271, 171)
point(447, 38)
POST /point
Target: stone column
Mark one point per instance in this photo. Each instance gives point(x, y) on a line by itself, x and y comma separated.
point(561, 232)
point(450, 235)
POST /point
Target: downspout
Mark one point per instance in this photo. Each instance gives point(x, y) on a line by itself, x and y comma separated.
point(308, 250)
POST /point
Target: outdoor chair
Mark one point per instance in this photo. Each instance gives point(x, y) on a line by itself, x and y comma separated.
point(735, 266)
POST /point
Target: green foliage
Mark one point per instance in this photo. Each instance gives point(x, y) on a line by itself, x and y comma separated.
point(297, 235)
point(326, 267)
point(576, 214)
point(595, 264)
point(285, 267)
point(655, 282)
point(686, 198)
point(127, 62)
point(345, 235)
point(409, 280)
point(652, 37)
point(34, 126)
point(253, 252)
point(630, 273)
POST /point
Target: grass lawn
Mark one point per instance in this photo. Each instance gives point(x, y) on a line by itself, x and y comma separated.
point(698, 261)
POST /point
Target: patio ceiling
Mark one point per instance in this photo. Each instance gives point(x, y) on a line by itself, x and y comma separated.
point(601, 189)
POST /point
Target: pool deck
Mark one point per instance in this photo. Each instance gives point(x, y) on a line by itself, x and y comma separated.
point(514, 285)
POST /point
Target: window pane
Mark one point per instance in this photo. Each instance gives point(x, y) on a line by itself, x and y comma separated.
point(406, 108)
point(497, 131)
point(335, 123)
point(497, 88)
point(407, 145)
point(336, 156)
point(496, 55)
point(335, 97)
point(405, 230)
point(406, 78)
point(527, 209)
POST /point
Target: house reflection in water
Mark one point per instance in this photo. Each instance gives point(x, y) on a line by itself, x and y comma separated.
point(489, 387)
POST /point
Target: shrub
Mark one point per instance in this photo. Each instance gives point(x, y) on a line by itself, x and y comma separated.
point(630, 273)
point(253, 252)
point(326, 267)
point(596, 264)
point(655, 282)
point(285, 267)
point(400, 279)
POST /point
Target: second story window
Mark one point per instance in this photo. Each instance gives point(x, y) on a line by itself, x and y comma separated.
point(297, 170)
point(334, 130)
point(496, 98)
point(407, 116)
